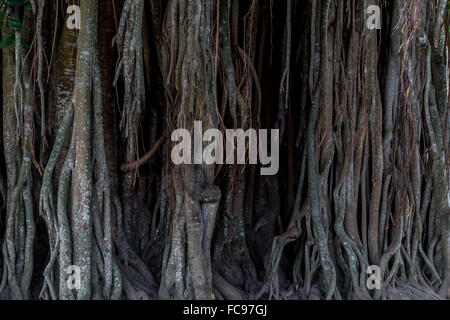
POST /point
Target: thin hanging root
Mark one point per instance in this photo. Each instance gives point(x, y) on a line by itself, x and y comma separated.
point(292, 233)
point(14, 210)
point(46, 199)
point(64, 234)
point(246, 59)
point(112, 285)
point(234, 96)
point(122, 24)
point(29, 242)
point(48, 273)
point(138, 163)
point(47, 205)
point(279, 243)
point(40, 52)
point(327, 265)
point(130, 64)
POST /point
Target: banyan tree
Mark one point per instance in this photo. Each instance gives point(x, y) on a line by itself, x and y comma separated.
point(94, 207)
